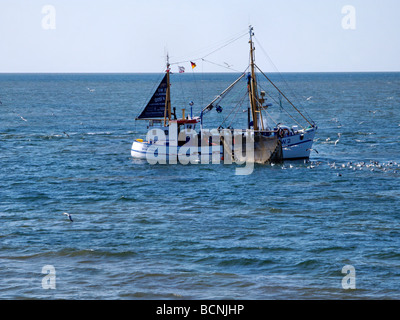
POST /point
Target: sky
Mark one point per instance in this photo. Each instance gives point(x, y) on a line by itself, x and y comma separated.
point(127, 36)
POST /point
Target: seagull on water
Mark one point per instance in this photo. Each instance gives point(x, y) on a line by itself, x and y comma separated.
point(69, 216)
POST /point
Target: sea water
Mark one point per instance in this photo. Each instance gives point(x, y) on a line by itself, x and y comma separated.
point(142, 231)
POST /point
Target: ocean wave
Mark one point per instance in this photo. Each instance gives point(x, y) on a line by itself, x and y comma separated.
point(72, 253)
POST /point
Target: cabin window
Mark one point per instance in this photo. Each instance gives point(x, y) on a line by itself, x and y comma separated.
point(156, 123)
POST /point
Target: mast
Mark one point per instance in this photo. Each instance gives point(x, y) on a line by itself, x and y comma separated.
point(253, 84)
point(167, 112)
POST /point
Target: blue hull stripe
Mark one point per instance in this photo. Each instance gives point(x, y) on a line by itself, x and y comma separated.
point(283, 146)
point(296, 144)
point(145, 152)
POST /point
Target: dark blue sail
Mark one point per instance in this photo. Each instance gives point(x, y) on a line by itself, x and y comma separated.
point(155, 109)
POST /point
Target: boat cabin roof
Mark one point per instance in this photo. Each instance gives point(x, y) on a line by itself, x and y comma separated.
point(185, 121)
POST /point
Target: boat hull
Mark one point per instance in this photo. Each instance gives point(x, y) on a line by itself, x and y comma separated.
point(298, 146)
point(140, 149)
point(294, 146)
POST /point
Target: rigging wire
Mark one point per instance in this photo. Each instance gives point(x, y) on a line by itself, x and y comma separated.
point(207, 49)
point(233, 109)
point(262, 108)
point(222, 94)
point(225, 44)
point(220, 65)
point(283, 79)
point(280, 105)
point(228, 42)
point(269, 116)
point(284, 95)
point(237, 109)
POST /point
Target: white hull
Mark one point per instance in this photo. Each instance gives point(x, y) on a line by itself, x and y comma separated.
point(295, 146)
point(139, 151)
point(298, 146)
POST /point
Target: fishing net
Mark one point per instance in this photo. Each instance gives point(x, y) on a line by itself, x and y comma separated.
point(255, 148)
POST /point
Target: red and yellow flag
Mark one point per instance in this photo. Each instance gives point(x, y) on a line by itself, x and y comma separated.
point(193, 64)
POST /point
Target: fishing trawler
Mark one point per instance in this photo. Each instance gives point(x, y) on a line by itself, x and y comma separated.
point(272, 143)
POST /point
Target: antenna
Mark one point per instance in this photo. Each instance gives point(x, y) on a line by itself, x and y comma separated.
point(168, 65)
point(251, 31)
point(166, 55)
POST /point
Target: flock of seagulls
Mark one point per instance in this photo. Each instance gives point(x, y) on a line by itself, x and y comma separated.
point(328, 140)
point(371, 166)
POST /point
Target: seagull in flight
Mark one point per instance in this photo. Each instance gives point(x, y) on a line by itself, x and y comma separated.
point(337, 141)
point(91, 90)
point(69, 216)
point(22, 118)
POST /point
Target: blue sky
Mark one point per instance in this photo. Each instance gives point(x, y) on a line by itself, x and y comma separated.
point(133, 36)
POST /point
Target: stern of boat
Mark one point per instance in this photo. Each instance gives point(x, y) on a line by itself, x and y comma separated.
point(139, 149)
point(298, 143)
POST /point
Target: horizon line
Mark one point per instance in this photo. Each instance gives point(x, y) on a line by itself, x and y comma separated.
point(208, 72)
